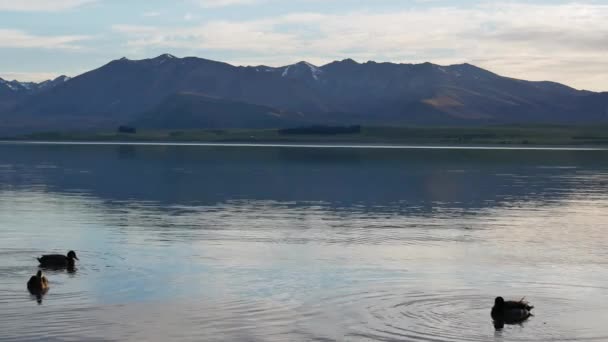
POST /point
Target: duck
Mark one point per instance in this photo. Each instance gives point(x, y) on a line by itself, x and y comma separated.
point(58, 260)
point(38, 284)
point(510, 311)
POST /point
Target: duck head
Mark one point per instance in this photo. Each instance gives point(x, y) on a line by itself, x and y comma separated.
point(39, 274)
point(72, 255)
point(499, 302)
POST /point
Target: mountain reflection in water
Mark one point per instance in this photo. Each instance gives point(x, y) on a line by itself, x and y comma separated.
point(270, 243)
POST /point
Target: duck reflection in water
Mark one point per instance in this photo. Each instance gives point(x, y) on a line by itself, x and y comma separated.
point(38, 297)
point(510, 312)
point(71, 269)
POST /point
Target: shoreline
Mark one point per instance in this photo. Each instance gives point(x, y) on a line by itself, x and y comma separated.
point(497, 137)
point(341, 145)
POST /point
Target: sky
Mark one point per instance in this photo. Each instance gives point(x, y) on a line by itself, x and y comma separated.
point(562, 41)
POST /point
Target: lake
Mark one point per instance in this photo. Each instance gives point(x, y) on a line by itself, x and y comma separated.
point(277, 243)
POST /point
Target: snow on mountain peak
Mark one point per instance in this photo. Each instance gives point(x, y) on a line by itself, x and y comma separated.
point(12, 85)
point(165, 57)
point(62, 78)
point(302, 68)
point(28, 87)
point(315, 71)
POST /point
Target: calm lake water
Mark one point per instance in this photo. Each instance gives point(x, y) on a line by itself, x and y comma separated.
point(302, 244)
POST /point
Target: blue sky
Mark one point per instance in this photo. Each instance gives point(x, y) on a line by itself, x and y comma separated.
point(555, 40)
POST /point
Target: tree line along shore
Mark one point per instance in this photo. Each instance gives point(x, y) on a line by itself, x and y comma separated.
point(487, 135)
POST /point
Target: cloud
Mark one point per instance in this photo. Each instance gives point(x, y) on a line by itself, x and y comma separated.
point(41, 5)
point(223, 3)
point(29, 76)
point(10, 38)
point(151, 14)
point(218, 35)
point(516, 39)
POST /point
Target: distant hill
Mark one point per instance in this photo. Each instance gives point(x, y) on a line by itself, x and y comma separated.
point(12, 92)
point(168, 92)
point(188, 110)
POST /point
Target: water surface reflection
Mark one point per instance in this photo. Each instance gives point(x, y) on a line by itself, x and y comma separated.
point(294, 244)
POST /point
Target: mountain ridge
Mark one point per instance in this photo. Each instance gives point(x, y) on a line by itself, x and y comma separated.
point(343, 92)
point(32, 86)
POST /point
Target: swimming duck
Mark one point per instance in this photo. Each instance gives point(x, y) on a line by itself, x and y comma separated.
point(510, 311)
point(58, 260)
point(38, 284)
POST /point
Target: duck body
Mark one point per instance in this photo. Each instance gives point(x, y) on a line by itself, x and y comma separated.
point(58, 260)
point(511, 311)
point(38, 284)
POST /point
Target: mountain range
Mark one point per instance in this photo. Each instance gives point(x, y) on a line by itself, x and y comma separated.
point(167, 92)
